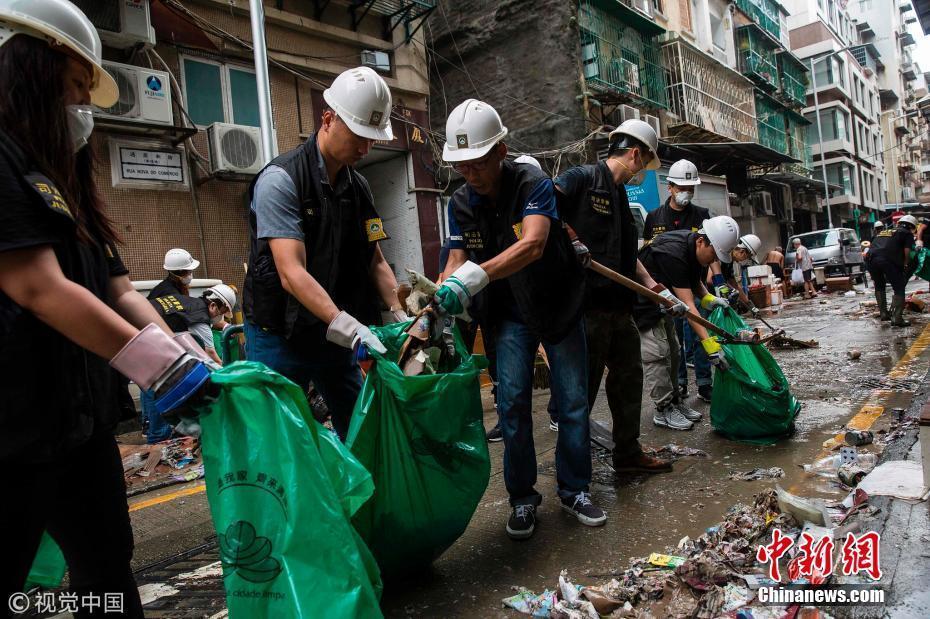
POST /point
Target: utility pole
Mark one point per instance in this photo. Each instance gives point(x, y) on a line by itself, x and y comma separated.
point(260, 52)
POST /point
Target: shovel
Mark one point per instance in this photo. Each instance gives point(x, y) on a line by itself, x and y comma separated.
point(638, 288)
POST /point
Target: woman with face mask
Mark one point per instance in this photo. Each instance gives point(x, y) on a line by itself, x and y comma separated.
point(180, 266)
point(67, 307)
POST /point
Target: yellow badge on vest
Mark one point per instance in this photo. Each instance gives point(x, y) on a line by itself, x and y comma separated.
point(53, 198)
point(375, 230)
point(600, 205)
point(170, 304)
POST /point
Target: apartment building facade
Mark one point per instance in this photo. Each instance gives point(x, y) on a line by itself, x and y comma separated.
point(177, 153)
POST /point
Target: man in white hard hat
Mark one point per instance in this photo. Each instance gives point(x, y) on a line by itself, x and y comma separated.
point(513, 268)
point(593, 203)
point(677, 260)
point(679, 211)
point(180, 266)
point(316, 274)
point(889, 257)
point(724, 274)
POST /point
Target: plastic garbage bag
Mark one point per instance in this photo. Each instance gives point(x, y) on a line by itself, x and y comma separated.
point(752, 401)
point(48, 567)
point(923, 263)
point(422, 438)
point(282, 491)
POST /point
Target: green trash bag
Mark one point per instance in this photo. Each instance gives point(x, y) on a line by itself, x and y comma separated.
point(423, 440)
point(282, 491)
point(48, 567)
point(752, 401)
point(923, 263)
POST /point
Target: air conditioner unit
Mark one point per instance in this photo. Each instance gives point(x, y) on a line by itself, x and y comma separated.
point(762, 202)
point(643, 6)
point(144, 95)
point(120, 23)
point(589, 60)
point(235, 149)
point(630, 74)
point(379, 61)
point(628, 111)
point(653, 121)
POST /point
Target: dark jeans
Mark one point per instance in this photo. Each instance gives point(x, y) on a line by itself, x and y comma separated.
point(155, 426)
point(692, 349)
point(516, 353)
point(81, 500)
point(885, 272)
point(332, 368)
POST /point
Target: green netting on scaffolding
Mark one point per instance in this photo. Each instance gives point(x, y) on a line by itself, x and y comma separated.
point(792, 75)
point(620, 53)
point(757, 56)
point(764, 13)
point(770, 120)
point(796, 126)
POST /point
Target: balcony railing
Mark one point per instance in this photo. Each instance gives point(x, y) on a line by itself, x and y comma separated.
point(757, 57)
point(764, 13)
point(793, 80)
point(411, 14)
point(619, 60)
point(771, 122)
point(708, 96)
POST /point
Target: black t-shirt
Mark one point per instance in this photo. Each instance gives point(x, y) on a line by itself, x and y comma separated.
point(671, 259)
point(667, 219)
point(893, 251)
point(56, 394)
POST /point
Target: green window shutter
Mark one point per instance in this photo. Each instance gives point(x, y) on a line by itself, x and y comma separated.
point(243, 90)
point(204, 91)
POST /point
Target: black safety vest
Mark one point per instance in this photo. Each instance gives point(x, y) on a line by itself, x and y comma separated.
point(56, 395)
point(600, 216)
point(879, 242)
point(664, 219)
point(678, 243)
point(265, 302)
point(548, 293)
point(164, 288)
point(181, 311)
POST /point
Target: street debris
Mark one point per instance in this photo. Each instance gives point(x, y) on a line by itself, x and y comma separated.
point(661, 560)
point(175, 460)
point(829, 466)
point(783, 341)
point(775, 472)
point(528, 603)
point(902, 479)
point(672, 452)
point(854, 354)
point(857, 438)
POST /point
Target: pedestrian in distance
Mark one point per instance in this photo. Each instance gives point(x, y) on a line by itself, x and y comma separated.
point(593, 203)
point(889, 257)
point(70, 318)
point(512, 265)
point(804, 262)
point(316, 273)
point(180, 266)
point(677, 261)
point(775, 259)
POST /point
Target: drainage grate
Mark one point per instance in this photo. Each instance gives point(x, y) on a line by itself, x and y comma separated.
point(888, 384)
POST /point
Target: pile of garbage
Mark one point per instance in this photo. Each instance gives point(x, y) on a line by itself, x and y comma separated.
point(714, 575)
point(174, 460)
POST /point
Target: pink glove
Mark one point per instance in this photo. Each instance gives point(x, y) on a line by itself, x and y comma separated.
point(148, 357)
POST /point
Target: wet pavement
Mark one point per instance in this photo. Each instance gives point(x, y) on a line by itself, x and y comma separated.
point(646, 513)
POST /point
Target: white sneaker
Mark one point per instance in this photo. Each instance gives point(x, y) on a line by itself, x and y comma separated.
point(689, 413)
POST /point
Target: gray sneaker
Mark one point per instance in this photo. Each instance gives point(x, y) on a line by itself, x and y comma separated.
point(689, 413)
point(672, 418)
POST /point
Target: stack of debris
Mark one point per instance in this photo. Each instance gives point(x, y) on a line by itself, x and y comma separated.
point(172, 461)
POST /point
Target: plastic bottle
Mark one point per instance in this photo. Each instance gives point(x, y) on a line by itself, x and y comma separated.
point(829, 466)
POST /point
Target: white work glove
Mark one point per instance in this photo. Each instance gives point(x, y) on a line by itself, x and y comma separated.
point(349, 333)
point(582, 253)
point(457, 291)
point(399, 315)
point(680, 308)
point(157, 363)
point(920, 243)
point(190, 344)
point(709, 302)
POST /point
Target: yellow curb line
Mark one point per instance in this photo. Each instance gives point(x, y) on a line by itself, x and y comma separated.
point(201, 487)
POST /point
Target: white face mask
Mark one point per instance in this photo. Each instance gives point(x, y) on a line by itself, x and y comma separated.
point(683, 198)
point(187, 279)
point(80, 124)
point(217, 319)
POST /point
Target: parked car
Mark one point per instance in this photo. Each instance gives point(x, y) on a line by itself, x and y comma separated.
point(837, 250)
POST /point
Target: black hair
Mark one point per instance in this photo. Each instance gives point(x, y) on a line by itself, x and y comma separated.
point(33, 114)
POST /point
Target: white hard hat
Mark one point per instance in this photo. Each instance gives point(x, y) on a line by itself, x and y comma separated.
point(362, 99)
point(723, 234)
point(223, 293)
point(908, 219)
point(180, 260)
point(528, 159)
point(878, 224)
point(751, 243)
point(472, 130)
point(683, 173)
point(642, 133)
point(59, 22)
